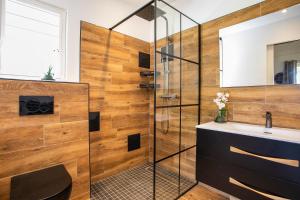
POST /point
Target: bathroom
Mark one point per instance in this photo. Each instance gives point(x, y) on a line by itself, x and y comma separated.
point(140, 99)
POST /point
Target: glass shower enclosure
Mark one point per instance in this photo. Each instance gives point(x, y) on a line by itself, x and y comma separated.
point(174, 98)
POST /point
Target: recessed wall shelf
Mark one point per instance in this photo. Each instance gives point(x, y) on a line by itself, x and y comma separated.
point(147, 73)
point(94, 121)
point(148, 85)
point(134, 142)
point(144, 60)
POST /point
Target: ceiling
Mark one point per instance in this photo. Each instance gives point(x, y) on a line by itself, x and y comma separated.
point(203, 10)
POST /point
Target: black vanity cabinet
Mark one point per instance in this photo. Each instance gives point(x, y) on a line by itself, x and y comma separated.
point(248, 167)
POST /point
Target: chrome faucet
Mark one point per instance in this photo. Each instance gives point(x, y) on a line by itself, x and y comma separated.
point(268, 120)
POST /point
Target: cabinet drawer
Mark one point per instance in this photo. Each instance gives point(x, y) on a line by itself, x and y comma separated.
point(243, 183)
point(270, 157)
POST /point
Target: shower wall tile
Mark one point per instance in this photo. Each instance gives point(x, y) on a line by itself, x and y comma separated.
point(109, 63)
point(29, 143)
point(65, 132)
point(32, 138)
point(283, 94)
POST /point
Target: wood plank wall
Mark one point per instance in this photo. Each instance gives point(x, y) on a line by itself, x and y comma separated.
point(109, 63)
point(247, 104)
point(29, 143)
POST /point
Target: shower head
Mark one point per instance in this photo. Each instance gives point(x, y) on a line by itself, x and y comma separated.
point(148, 13)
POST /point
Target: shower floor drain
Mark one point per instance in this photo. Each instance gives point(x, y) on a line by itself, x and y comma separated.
point(136, 184)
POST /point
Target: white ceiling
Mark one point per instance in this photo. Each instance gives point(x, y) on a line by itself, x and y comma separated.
point(203, 10)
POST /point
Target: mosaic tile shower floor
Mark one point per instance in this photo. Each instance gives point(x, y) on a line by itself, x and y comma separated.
point(136, 184)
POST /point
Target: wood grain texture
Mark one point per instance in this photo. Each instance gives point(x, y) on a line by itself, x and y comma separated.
point(241, 185)
point(289, 162)
point(30, 143)
point(202, 193)
point(247, 104)
point(109, 63)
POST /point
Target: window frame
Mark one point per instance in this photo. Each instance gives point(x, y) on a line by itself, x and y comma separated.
point(62, 37)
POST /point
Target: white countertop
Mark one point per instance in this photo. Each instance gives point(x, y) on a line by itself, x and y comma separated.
point(281, 134)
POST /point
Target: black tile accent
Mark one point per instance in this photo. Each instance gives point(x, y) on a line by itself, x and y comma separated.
point(94, 121)
point(134, 142)
point(144, 60)
point(36, 105)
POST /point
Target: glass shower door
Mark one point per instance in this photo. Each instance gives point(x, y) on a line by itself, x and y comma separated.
point(176, 102)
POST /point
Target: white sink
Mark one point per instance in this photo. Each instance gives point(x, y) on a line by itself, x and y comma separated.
point(282, 134)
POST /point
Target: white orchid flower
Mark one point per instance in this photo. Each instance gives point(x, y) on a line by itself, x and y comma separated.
point(221, 100)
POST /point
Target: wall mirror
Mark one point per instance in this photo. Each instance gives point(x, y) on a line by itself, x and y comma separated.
point(262, 51)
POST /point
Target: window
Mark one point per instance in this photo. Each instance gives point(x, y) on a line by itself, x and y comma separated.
point(32, 40)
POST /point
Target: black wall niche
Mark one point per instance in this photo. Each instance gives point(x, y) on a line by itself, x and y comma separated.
point(134, 142)
point(144, 60)
point(94, 121)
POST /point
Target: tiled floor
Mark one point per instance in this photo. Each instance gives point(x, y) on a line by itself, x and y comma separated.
point(136, 184)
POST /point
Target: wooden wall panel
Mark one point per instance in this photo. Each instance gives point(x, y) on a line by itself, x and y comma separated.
point(247, 104)
point(109, 63)
point(30, 143)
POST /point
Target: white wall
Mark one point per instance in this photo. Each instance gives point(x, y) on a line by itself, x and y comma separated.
point(245, 46)
point(100, 12)
point(1, 20)
point(206, 10)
